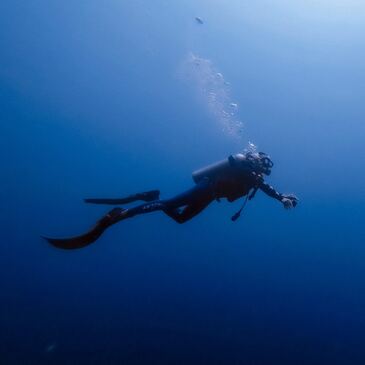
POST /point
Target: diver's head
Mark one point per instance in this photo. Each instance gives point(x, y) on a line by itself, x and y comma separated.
point(261, 162)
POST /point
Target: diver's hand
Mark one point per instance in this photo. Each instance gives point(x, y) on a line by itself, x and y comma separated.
point(289, 201)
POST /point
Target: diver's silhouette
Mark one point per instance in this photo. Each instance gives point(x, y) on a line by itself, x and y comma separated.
point(237, 176)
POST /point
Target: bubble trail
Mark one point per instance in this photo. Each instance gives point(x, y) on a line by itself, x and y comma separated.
point(214, 91)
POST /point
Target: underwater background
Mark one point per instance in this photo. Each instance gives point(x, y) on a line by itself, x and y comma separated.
point(116, 97)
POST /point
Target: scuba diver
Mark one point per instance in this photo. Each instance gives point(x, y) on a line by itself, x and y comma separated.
point(240, 175)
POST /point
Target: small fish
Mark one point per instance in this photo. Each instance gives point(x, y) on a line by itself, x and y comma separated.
point(51, 347)
point(199, 20)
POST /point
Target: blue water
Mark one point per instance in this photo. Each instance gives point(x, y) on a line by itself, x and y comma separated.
point(95, 100)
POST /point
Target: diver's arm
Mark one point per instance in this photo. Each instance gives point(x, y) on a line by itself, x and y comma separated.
point(270, 191)
point(289, 201)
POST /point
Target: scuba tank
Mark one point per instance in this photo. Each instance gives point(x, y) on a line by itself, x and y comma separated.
point(232, 164)
point(238, 164)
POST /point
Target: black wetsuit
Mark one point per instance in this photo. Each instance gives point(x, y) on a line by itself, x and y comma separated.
point(181, 208)
point(188, 204)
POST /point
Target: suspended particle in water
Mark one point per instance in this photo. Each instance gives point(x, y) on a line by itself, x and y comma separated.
point(51, 347)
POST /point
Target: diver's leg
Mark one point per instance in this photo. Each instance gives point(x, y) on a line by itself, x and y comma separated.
point(192, 202)
point(188, 212)
point(195, 200)
point(146, 196)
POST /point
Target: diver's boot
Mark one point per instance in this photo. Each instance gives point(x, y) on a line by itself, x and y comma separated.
point(114, 216)
point(145, 196)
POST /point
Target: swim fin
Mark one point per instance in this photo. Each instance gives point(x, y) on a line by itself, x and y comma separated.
point(146, 196)
point(114, 216)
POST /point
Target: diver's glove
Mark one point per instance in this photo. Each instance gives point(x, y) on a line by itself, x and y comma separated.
point(289, 201)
